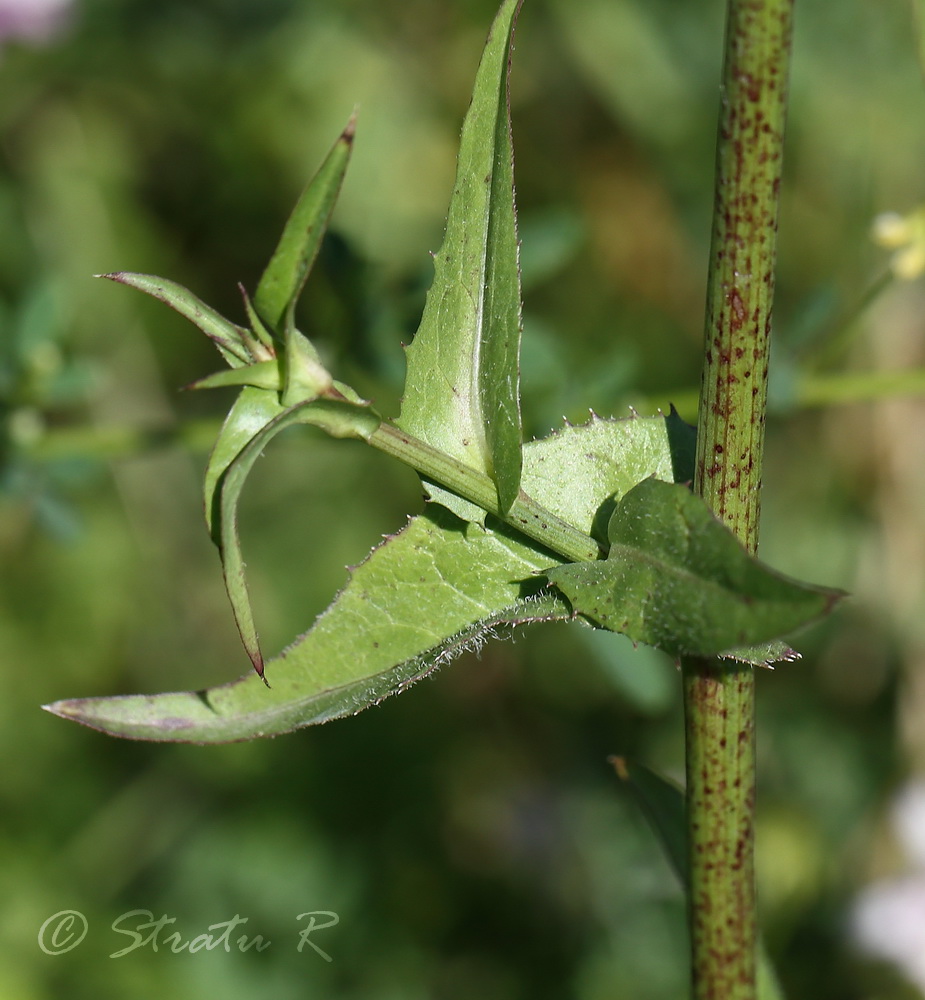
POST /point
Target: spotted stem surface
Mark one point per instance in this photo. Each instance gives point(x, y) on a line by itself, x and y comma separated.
point(720, 698)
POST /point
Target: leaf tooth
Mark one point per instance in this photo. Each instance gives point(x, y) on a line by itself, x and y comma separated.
point(303, 695)
point(596, 418)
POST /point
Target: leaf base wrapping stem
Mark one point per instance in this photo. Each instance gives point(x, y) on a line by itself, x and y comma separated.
point(525, 514)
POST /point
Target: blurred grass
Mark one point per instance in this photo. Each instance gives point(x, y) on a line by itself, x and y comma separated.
point(470, 834)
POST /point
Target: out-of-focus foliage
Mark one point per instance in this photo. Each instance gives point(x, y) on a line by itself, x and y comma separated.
point(470, 835)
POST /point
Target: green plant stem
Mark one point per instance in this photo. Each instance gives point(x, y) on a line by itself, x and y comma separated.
point(859, 387)
point(718, 697)
point(918, 8)
point(830, 344)
point(120, 442)
point(810, 392)
point(525, 514)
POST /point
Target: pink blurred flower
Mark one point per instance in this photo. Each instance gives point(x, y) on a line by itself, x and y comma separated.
point(32, 20)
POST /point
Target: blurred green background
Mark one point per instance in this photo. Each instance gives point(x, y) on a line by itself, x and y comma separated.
point(470, 835)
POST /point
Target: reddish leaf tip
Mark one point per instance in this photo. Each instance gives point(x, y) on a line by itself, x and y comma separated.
point(243, 291)
point(350, 131)
point(257, 660)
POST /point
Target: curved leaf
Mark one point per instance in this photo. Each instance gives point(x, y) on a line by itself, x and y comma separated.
point(340, 419)
point(231, 340)
point(249, 414)
point(437, 587)
point(401, 615)
point(462, 393)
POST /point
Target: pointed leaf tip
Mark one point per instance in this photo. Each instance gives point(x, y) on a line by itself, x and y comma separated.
point(283, 279)
point(262, 375)
point(249, 431)
point(676, 578)
point(230, 339)
point(377, 637)
point(462, 392)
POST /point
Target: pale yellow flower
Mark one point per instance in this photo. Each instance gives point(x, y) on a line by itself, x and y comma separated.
point(906, 235)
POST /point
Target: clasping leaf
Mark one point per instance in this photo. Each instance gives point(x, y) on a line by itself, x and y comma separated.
point(678, 579)
point(436, 588)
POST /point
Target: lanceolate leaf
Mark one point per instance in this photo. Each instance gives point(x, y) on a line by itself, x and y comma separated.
point(285, 275)
point(262, 375)
point(442, 585)
point(462, 390)
point(228, 337)
point(436, 587)
point(284, 278)
point(400, 616)
point(678, 579)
